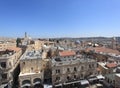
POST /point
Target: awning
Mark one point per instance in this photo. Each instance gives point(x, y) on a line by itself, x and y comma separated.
point(92, 79)
point(58, 85)
point(72, 82)
point(83, 82)
point(100, 77)
point(99, 85)
point(37, 82)
point(25, 85)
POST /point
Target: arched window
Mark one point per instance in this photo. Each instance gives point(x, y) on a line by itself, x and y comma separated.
point(68, 78)
point(31, 69)
point(82, 68)
point(26, 82)
point(68, 69)
point(75, 76)
point(75, 69)
point(36, 80)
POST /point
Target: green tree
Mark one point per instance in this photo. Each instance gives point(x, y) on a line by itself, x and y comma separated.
point(18, 41)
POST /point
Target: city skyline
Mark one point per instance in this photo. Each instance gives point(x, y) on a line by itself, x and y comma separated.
point(60, 18)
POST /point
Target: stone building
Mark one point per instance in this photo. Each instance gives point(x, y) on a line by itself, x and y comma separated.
point(39, 44)
point(102, 54)
point(32, 73)
point(107, 67)
point(9, 60)
point(117, 81)
point(6, 44)
point(69, 67)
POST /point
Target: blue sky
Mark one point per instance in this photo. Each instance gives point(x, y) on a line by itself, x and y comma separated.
point(59, 18)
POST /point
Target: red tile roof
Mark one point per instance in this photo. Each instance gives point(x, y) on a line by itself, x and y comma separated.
point(67, 53)
point(104, 50)
point(111, 65)
point(14, 48)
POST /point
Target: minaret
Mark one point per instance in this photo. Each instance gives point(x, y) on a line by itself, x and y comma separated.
point(114, 43)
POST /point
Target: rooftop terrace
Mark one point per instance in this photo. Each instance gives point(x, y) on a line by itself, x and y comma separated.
point(71, 60)
point(32, 55)
point(6, 53)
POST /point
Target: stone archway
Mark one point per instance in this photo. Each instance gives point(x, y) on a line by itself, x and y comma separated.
point(37, 83)
point(26, 84)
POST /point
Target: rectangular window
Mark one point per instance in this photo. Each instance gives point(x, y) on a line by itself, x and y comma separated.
point(68, 78)
point(57, 78)
point(31, 69)
point(82, 68)
point(75, 77)
point(89, 66)
point(68, 69)
point(81, 75)
point(57, 70)
point(3, 64)
point(4, 76)
point(75, 69)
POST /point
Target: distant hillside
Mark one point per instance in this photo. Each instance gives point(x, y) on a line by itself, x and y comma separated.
point(84, 38)
point(6, 38)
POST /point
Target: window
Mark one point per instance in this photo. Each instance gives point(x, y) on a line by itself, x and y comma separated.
point(75, 69)
point(3, 64)
point(82, 68)
point(75, 77)
point(68, 69)
point(68, 78)
point(32, 69)
point(57, 70)
point(4, 76)
point(97, 65)
point(44, 65)
point(89, 66)
point(57, 78)
point(81, 75)
point(113, 81)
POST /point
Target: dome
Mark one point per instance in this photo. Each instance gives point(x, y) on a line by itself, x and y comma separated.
point(77, 42)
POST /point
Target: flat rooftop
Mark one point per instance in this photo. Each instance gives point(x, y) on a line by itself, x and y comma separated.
point(32, 55)
point(105, 51)
point(71, 60)
point(6, 53)
point(7, 41)
point(26, 74)
point(9, 52)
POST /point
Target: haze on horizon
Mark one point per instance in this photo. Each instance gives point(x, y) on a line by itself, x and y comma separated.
point(60, 18)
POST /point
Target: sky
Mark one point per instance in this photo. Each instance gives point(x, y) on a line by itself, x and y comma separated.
point(60, 18)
